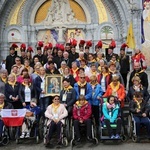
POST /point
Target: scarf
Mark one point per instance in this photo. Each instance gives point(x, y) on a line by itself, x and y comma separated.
point(137, 73)
point(138, 103)
point(1, 106)
point(93, 72)
point(81, 84)
point(75, 70)
point(109, 106)
point(26, 85)
point(79, 105)
point(105, 74)
point(4, 80)
point(114, 88)
point(12, 83)
point(27, 67)
point(55, 107)
point(68, 88)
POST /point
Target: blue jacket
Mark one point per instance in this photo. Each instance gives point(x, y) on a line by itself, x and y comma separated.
point(36, 110)
point(88, 92)
point(97, 92)
point(114, 112)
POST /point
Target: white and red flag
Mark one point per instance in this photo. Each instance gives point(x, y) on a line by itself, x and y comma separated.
point(13, 117)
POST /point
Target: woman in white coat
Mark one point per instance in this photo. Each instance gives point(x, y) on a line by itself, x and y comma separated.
point(56, 112)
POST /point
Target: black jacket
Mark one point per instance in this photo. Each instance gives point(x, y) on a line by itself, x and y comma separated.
point(142, 75)
point(143, 90)
point(143, 108)
point(10, 61)
point(124, 64)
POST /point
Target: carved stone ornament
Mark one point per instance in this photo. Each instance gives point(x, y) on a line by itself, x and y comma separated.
point(60, 12)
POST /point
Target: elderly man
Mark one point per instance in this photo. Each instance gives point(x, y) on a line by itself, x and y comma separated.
point(139, 72)
point(3, 105)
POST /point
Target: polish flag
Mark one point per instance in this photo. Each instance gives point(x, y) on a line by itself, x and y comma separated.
point(13, 117)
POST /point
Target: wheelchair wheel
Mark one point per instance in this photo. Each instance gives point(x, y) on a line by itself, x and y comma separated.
point(37, 139)
point(12, 133)
point(68, 130)
point(5, 140)
point(72, 142)
point(41, 127)
point(123, 138)
point(95, 141)
point(65, 141)
point(130, 126)
point(135, 139)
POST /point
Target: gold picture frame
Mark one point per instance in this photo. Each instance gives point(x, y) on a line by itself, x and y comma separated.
point(53, 85)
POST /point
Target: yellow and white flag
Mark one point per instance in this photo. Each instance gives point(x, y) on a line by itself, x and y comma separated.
point(130, 37)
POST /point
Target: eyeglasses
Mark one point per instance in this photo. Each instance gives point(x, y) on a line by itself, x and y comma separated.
point(56, 99)
point(82, 77)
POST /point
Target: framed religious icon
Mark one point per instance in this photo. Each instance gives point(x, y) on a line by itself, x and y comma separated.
point(53, 85)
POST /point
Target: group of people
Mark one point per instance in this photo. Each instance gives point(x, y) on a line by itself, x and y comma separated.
point(87, 77)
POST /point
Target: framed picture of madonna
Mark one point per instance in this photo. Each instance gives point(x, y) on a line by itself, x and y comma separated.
point(53, 85)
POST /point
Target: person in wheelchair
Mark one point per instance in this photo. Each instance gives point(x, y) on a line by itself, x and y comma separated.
point(82, 112)
point(56, 113)
point(110, 111)
point(32, 115)
point(138, 107)
point(3, 105)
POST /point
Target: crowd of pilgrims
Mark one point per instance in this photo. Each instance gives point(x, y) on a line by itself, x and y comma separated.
point(93, 75)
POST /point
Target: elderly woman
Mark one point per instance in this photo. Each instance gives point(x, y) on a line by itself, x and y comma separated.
point(62, 68)
point(12, 92)
point(3, 105)
point(55, 113)
point(137, 87)
point(115, 88)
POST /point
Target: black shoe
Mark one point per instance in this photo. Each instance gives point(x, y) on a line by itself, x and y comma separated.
point(78, 141)
point(89, 139)
point(59, 144)
point(47, 142)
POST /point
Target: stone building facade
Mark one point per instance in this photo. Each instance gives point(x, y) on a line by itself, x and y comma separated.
point(27, 21)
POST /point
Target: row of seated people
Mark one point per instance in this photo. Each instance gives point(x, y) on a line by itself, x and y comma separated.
point(82, 111)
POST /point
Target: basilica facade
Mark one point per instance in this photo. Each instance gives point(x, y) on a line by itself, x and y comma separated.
point(59, 21)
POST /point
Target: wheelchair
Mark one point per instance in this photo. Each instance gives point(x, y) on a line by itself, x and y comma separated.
point(132, 130)
point(64, 139)
point(33, 127)
point(83, 132)
point(103, 131)
point(5, 136)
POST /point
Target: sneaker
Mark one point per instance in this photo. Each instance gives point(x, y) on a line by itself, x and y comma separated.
point(117, 136)
point(112, 136)
point(27, 135)
point(22, 135)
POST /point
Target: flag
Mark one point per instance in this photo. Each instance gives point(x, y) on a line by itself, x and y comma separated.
point(130, 37)
point(13, 117)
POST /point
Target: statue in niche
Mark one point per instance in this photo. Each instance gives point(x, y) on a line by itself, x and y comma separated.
point(60, 12)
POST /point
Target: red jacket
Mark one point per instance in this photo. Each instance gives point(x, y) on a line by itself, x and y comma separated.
point(121, 93)
point(82, 112)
